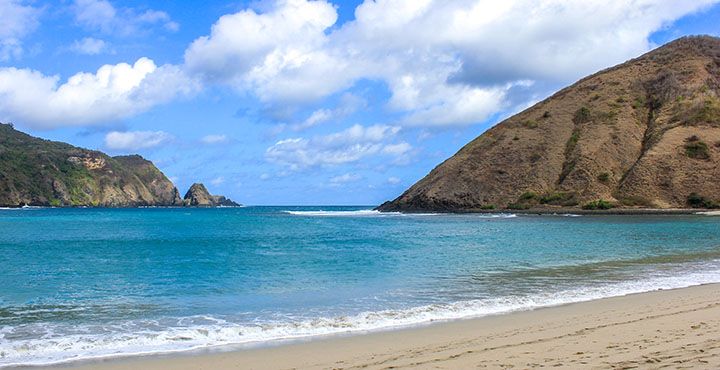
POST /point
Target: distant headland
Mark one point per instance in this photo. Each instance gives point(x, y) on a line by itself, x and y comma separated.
point(38, 172)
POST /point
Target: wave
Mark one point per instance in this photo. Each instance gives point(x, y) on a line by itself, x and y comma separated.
point(130, 339)
point(374, 213)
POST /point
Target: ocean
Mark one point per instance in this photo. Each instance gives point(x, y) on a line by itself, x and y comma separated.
point(94, 283)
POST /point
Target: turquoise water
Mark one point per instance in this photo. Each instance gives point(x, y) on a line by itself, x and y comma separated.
point(87, 283)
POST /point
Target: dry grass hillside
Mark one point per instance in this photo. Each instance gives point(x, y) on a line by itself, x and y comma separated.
point(643, 134)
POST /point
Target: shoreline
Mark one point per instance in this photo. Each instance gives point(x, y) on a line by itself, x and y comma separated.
point(577, 211)
point(584, 332)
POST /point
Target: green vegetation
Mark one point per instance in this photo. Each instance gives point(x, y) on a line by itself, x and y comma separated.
point(604, 177)
point(559, 199)
point(518, 206)
point(546, 115)
point(581, 116)
point(695, 200)
point(42, 172)
point(696, 149)
point(598, 204)
point(528, 195)
point(487, 207)
point(639, 102)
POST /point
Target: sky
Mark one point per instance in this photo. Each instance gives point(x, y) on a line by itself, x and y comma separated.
point(296, 102)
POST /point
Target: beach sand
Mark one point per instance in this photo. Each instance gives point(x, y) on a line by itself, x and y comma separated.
point(665, 329)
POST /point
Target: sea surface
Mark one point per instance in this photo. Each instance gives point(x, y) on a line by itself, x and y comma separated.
point(91, 283)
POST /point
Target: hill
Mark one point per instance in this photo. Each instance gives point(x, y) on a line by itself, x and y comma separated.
point(643, 134)
point(40, 172)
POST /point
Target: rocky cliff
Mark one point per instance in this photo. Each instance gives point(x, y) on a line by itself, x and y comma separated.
point(40, 172)
point(644, 134)
point(199, 196)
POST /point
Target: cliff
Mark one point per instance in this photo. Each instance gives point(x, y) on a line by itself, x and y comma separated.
point(643, 134)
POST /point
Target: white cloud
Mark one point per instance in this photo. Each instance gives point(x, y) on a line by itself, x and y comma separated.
point(18, 20)
point(265, 176)
point(345, 178)
point(102, 15)
point(280, 54)
point(445, 62)
point(214, 139)
point(348, 104)
point(134, 140)
point(217, 181)
point(89, 46)
point(350, 145)
point(112, 93)
point(393, 180)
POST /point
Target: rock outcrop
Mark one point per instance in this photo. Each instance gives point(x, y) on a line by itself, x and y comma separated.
point(199, 196)
point(643, 134)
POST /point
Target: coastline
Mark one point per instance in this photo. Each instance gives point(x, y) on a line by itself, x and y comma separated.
point(577, 211)
point(669, 327)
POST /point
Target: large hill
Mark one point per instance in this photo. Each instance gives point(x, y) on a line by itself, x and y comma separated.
point(645, 133)
point(40, 172)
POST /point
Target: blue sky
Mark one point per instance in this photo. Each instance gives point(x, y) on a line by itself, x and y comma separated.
point(307, 102)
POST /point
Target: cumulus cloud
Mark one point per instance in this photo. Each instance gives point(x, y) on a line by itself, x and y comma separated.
point(102, 15)
point(281, 54)
point(112, 93)
point(350, 145)
point(444, 62)
point(18, 20)
point(393, 180)
point(135, 140)
point(89, 46)
point(214, 139)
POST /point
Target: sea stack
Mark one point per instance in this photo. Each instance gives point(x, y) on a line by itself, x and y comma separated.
point(199, 196)
point(643, 134)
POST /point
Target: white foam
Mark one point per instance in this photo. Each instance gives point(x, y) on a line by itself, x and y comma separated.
point(126, 342)
point(374, 213)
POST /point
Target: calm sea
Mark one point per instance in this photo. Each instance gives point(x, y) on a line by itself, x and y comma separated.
point(89, 283)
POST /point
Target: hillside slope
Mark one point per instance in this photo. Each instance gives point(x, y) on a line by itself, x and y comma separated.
point(645, 133)
point(40, 172)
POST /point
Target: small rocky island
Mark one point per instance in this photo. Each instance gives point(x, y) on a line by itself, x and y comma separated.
point(38, 172)
point(199, 196)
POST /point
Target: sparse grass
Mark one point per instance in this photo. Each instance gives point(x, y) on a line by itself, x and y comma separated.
point(531, 124)
point(598, 204)
point(635, 201)
point(707, 112)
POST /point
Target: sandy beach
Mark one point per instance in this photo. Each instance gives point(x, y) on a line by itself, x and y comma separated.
point(664, 329)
